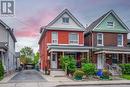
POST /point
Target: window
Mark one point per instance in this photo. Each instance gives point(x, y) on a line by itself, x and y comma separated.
point(99, 39)
point(54, 38)
point(110, 24)
point(120, 40)
point(73, 38)
point(65, 20)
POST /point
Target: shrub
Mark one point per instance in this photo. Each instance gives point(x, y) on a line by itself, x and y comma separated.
point(1, 70)
point(85, 60)
point(69, 62)
point(78, 74)
point(125, 68)
point(89, 68)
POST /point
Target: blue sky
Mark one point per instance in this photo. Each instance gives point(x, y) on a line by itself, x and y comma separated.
point(30, 15)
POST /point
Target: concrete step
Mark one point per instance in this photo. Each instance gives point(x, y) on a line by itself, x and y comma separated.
point(57, 73)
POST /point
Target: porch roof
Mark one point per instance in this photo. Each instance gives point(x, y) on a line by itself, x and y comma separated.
point(70, 48)
point(113, 52)
point(111, 49)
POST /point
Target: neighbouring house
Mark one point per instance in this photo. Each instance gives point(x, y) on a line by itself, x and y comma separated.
point(7, 48)
point(108, 37)
point(104, 41)
point(63, 36)
point(17, 54)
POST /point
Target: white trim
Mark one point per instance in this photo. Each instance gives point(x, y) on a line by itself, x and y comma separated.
point(114, 52)
point(54, 39)
point(102, 39)
point(77, 40)
point(122, 40)
point(65, 44)
point(60, 50)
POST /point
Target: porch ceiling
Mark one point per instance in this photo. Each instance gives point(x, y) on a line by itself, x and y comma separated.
point(68, 48)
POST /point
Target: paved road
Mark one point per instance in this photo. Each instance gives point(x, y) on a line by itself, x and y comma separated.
point(100, 86)
point(27, 76)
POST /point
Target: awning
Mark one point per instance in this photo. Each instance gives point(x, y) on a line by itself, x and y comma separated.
point(62, 48)
point(113, 52)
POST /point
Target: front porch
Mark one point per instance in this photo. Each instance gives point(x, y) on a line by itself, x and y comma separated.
point(112, 56)
point(55, 52)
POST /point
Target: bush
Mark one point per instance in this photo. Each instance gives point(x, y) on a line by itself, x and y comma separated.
point(68, 62)
point(85, 60)
point(89, 68)
point(1, 70)
point(78, 74)
point(125, 68)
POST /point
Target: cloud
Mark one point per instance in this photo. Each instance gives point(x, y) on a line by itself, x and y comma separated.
point(33, 23)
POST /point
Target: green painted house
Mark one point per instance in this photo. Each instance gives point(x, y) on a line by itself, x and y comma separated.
point(108, 37)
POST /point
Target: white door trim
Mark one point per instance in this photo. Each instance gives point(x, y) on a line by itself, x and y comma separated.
point(54, 61)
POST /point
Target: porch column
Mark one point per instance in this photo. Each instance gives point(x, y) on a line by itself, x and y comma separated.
point(63, 53)
point(88, 56)
point(117, 58)
point(104, 59)
point(123, 59)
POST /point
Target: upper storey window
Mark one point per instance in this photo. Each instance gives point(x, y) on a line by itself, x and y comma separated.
point(99, 39)
point(73, 38)
point(54, 37)
point(120, 40)
point(110, 24)
point(65, 19)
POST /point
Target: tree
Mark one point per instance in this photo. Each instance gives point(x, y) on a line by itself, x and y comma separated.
point(27, 51)
point(36, 58)
point(26, 55)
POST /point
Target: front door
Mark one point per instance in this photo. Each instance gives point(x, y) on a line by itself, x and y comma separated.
point(114, 59)
point(100, 61)
point(54, 61)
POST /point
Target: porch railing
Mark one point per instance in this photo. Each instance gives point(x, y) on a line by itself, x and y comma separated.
point(114, 69)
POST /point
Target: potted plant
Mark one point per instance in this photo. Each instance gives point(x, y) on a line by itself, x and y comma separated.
point(78, 74)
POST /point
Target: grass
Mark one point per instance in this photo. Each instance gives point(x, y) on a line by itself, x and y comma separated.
point(125, 76)
point(1, 78)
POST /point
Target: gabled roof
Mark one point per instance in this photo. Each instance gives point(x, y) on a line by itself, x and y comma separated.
point(45, 28)
point(94, 24)
point(68, 13)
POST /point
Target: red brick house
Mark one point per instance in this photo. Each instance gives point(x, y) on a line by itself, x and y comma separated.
point(108, 37)
point(104, 41)
point(63, 36)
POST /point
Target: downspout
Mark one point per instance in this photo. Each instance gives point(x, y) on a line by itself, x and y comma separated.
point(8, 48)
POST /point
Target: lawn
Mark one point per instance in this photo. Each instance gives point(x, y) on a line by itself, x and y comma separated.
point(125, 76)
point(1, 78)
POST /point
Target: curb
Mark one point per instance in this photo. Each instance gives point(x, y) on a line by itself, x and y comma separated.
point(92, 84)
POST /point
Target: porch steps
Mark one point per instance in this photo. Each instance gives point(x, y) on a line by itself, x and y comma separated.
point(57, 73)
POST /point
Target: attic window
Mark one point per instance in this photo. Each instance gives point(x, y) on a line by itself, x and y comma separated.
point(110, 24)
point(65, 20)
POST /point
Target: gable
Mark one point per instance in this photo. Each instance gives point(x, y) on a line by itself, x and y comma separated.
point(58, 23)
point(118, 27)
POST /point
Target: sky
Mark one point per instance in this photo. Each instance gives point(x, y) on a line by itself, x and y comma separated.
point(30, 15)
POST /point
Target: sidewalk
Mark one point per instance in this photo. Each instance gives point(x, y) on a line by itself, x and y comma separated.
point(86, 83)
point(7, 78)
point(64, 81)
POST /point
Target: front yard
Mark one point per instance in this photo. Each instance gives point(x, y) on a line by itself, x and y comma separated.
point(126, 76)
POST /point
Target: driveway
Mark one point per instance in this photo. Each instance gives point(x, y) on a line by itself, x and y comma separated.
point(27, 76)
